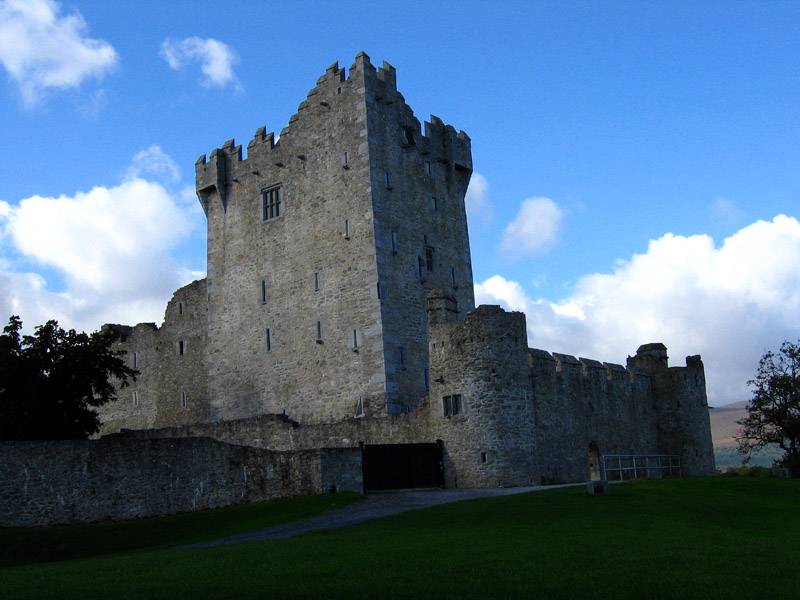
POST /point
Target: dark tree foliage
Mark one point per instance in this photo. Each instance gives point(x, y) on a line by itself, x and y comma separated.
point(51, 381)
point(773, 414)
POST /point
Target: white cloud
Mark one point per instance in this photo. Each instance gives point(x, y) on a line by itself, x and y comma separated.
point(216, 58)
point(111, 246)
point(477, 198)
point(155, 162)
point(42, 49)
point(729, 303)
point(535, 229)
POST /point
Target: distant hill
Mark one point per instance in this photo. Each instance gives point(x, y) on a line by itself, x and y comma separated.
point(723, 423)
point(723, 432)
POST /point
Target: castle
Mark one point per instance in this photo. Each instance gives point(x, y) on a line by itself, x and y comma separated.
point(338, 311)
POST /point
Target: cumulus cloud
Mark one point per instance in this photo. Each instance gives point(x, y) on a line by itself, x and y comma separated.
point(477, 198)
point(42, 49)
point(216, 59)
point(111, 246)
point(535, 229)
point(729, 303)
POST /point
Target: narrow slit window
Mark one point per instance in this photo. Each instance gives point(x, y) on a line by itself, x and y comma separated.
point(453, 277)
point(483, 457)
point(355, 339)
point(345, 164)
point(429, 258)
point(180, 308)
point(359, 408)
point(420, 268)
point(379, 290)
point(451, 405)
point(387, 179)
point(135, 360)
point(427, 167)
point(434, 204)
point(319, 331)
point(263, 291)
point(135, 395)
point(347, 229)
point(394, 242)
point(316, 282)
point(402, 358)
point(271, 203)
point(268, 340)
point(181, 348)
point(184, 402)
point(427, 378)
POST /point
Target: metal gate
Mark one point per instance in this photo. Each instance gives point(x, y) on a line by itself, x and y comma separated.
point(402, 466)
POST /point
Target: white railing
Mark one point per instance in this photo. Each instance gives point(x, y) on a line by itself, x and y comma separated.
point(620, 467)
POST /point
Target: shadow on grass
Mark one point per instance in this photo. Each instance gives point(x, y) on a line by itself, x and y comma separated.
point(61, 542)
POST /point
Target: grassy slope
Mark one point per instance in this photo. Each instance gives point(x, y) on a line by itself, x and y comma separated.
point(31, 545)
point(710, 538)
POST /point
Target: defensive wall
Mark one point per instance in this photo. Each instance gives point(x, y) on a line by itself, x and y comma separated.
point(525, 416)
point(74, 481)
point(171, 388)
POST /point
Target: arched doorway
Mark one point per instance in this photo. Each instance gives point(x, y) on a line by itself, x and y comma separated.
point(594, 462)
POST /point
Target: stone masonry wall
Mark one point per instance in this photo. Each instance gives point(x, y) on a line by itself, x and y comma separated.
point(527, 416)
point(316, 261)
point(484, 360)
point(580, 402)
point(320, 310)
point(43, 483)
point(679, 398)
point(171, 388)
point(419, 180)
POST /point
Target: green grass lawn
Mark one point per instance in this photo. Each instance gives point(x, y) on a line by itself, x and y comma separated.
point(41, 544)
point(692, 538)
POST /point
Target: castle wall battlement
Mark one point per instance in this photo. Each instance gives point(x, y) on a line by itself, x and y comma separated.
point(440, 142)
point(545, 410)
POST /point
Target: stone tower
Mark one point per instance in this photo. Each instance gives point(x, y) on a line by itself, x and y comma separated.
point(322, 247)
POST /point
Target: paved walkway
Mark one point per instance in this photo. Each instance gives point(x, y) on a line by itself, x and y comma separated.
point(375, 506)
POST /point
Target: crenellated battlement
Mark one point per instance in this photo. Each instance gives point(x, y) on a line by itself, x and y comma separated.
point(216, 173)
point(559, 364)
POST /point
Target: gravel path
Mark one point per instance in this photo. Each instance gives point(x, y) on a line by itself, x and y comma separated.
point(375, 506)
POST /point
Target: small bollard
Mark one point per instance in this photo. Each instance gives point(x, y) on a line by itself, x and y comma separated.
point(597, 487)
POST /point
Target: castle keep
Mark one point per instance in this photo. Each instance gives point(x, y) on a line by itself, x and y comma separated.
point(338, 312)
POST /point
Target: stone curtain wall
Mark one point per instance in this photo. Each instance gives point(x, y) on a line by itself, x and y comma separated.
point(527, 416)
point(581, 402)
point(43, 483)
point(171, 387)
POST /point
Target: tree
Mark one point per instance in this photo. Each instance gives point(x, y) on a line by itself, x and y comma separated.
point(773, 414)
point(51, 381)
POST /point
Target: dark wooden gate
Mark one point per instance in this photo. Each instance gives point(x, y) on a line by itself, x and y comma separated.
point(402, 466)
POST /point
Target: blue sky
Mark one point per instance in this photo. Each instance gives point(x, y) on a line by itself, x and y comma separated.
point(605, 135)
